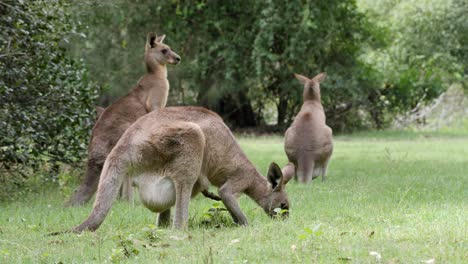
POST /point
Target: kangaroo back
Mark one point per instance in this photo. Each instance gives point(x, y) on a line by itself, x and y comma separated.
point(308, 141)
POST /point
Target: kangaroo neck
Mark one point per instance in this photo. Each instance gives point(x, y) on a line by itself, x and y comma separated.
point(311, 93)
point(312, 105)
point(312, 96)
point(259, 189)
point(156, 70)
point(154, 80)
point(153, 88)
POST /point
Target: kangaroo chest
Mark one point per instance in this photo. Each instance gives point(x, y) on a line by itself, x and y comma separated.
point(157, 192)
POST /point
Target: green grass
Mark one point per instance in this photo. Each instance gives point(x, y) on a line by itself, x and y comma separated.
point(402, 195)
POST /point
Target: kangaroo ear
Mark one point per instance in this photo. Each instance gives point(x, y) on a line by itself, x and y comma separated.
point(99, 111)
point(288, 172)
point(320, 77)
point(160, 38)
point(151, 39)
point(302, 79)
point(274, 175)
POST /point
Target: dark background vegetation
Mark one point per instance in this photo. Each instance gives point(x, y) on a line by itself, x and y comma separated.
point(58, 59)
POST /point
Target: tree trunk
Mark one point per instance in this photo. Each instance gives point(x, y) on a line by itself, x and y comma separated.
point(235, 109)
point(282, 111)
point(374, 110)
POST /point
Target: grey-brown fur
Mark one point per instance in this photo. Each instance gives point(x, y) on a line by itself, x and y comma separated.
point(149, 94)
point(99, 111)
point(308, 141)
point(189, 148)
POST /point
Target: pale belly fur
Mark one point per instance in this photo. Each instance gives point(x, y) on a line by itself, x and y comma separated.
point(157, 192)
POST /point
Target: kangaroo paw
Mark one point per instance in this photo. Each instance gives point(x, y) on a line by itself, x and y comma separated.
point(211, 195)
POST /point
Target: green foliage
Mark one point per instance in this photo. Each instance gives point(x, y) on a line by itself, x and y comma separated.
point(308, 232)
point(426, 52)
point(216, 216)
point(130, 246)
point(238, 57)
point(126, 249)
point(280, 212)
point(309, 37)
point(47, 99)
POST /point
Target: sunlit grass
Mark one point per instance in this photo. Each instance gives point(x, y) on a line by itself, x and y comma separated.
point(402, 195)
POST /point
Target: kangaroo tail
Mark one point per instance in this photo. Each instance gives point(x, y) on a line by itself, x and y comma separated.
point(114, 170)
point(89, 184)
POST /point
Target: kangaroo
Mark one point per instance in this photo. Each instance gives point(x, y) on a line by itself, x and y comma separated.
point(99, 111)
point(172, 154)
point(308, 141)
point(149, 94)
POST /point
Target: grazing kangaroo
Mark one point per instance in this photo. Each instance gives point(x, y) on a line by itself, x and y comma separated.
point(308, 141)
point(149, 94)
point(174, 153)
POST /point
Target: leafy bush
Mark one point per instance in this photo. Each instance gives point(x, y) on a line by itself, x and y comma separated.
point(426, 51)
point(47, 100)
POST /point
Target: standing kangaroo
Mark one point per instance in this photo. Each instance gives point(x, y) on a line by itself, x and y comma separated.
point(308, 141)
point(174, 153)
point(149, 94)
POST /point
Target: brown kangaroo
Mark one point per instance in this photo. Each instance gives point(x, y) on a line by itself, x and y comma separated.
point(99, 111)
point(174, 153)
point(308, 141)
point(149, 94)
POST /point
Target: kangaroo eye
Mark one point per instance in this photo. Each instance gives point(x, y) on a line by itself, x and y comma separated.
point(164, 51)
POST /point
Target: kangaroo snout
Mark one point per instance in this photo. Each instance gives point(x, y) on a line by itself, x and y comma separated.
point(174, 59)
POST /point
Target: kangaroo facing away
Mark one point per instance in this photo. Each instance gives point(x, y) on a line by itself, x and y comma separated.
point(174, 153)
point(308, 141)
point(149, 94)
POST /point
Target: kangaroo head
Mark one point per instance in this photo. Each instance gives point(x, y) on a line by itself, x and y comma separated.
point(158, 52)
point(278, 198)
point(311, 86)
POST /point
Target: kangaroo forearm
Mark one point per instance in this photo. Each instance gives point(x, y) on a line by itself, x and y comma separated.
point(232, 206)
point(211, 195)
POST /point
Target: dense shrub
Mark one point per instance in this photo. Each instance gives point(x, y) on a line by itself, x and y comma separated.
point(426, 50)
point(46, 98)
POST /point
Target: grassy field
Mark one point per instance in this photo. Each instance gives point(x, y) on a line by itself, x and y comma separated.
point(390, 197)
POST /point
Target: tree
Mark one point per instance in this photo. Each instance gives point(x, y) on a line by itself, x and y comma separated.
point(426, 51)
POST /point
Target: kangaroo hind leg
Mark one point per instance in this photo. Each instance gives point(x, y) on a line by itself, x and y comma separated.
point(324, 169)
point(164, 218)
point(305, 168)
point(187, 142)
point(126, 190)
